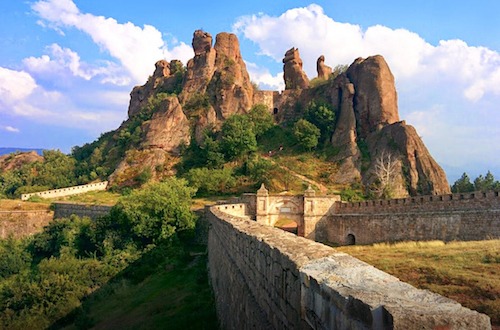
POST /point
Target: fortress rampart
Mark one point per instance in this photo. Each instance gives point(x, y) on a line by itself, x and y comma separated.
point(463, 217)
point(68, 191)
point(265, 278)
point(464, 201)
point(65, 210)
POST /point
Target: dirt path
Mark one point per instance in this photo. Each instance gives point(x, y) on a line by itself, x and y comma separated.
point(322, 188)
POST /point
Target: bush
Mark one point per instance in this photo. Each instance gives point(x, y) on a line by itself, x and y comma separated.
point(306, 133)
point(211, 181)
point(238, 137)
point(322, 115)
point(154, 213)
point(261, 118)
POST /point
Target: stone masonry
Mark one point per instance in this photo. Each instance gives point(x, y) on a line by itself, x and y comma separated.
point(266, 278)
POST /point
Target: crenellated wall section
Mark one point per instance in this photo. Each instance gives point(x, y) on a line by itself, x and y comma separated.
point(463, 217)
point(266, 278)
point(68, 191)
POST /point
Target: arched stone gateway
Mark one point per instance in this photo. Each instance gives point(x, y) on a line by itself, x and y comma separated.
point(306, 210)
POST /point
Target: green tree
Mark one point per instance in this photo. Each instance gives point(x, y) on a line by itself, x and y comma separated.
point(57, 170)
point(156, 212)
point(261, 118)
point(211, 181)
point(462, 185)
point(238, 137)
point(322, 115)
point(485, 183)
point(306, 133)
point(14, 257)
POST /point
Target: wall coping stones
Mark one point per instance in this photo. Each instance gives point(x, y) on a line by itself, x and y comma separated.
point(339, 291)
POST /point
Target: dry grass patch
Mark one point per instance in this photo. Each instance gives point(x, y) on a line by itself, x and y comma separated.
point(468, 272)
point(18, 205)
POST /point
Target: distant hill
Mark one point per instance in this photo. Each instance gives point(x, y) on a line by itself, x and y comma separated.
point(5, 151)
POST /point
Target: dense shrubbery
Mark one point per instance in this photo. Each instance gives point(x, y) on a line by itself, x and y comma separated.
point(45, 277)
point(306, 133)
point(56, 171)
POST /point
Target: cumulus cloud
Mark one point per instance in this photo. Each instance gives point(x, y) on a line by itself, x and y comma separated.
point(21, 96)
point(476, 70)
point(264, 78)
point(136, 48)
point(15, 85)
point(62, 61)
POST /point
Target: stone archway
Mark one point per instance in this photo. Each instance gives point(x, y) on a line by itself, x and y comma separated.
point(350, 239)
point(289, 207)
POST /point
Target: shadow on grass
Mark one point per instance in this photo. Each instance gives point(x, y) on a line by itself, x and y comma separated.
point(167, 288)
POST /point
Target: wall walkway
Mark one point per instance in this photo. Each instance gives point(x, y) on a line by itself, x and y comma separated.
point(265, 278)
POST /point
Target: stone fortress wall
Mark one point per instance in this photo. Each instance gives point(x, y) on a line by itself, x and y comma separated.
point(68, 191)
point(463, 217)
point(266, 278)
point(93, 211)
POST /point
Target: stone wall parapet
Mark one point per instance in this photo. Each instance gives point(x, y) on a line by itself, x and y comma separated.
point(68, 191)
point(266, 278)
point(462, 201)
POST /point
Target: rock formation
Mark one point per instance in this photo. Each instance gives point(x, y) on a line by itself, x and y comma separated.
point(15, 161)
point(168, 128)
point(324, 71)
point(375, 100)
point(295, 77)
point(215, 85)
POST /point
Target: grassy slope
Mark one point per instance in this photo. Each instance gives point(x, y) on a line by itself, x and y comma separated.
point(468, 272)
point(312, 164)
point(176, 296)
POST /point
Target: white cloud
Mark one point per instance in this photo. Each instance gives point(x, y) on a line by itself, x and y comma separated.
point(15, 85)
point(10, 129)
point(264, 78)
point(475, 69)
point(136, 48)
point(64, 61)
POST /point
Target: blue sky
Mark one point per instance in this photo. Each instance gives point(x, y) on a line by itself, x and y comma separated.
point(67, 66)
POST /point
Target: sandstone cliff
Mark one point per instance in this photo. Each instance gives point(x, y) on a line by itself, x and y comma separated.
point(178, 103)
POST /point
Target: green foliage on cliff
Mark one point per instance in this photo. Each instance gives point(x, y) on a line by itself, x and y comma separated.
point(56, 171)
point(306, 133)
point(237, 137)
point(322, 115)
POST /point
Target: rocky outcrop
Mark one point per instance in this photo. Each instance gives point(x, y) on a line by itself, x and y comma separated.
point(200, 68)
point(420, 174)
point(15, 161)
point(167, 77)
point(168, 128)
point(375, 101)
point(215, 85)
point(230, 87)
point(344, 138)
point(324, 71)
point(368, 127)
point(294, 76)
